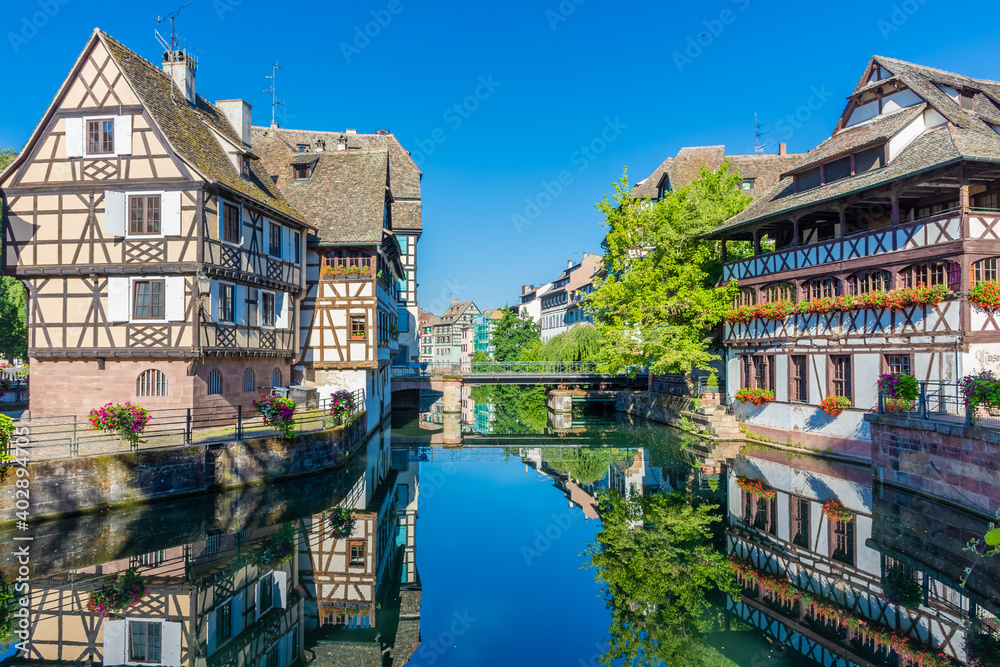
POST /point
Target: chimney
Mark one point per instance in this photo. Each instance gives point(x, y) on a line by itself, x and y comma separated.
point(454, 302)
point(238, 114)
point(569, 264)
point(585, 254)
point(320, 146)
point(350, 131)
point(781, 148)
point(341, 143)
point(181, 71)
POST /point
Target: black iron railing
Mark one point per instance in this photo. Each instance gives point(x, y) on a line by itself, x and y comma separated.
point(941, 401)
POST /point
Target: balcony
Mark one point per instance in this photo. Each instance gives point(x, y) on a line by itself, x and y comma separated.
point(938, 229)
point(231, 260)
point(347, 268)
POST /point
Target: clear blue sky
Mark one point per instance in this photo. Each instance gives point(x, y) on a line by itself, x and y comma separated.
point(559, 83)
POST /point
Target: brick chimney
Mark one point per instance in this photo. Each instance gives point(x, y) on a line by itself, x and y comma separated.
point(781, 148)
point(238, 114)
point(181, 69)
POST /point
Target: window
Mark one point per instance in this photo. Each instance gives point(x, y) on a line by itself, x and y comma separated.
point(357, 552)
point(863, 283)
point(224, 623)
point(746, 297)
point(244, 166)
point(664, 189)
point(781, 292)
point(231, 223)
point(838, 170)
point(252, 306)
point(144, 214)
point(932, 273)
point(800, 379)
point(985, 201)
point(746, 185)
point(761, 513)
point(843, 541)
point(873, 158)
point(144, 641)
point(967, 101)
point(149, 300)
point(248, 380)
point(758, 372)
point(800, 525)
point(841, 377)
point(266, 592)
point(267, 309)
point(302, 148)
point(808, 180)
point(276, 377)
point(151, 383)
point(302, 171)
point(985, 270)
point(100, 136)
point(274, 240)
point(226, 310)
point(897, 363)
point(821, 288)
point(359, 327)
point(214, 382)
point(272, 657)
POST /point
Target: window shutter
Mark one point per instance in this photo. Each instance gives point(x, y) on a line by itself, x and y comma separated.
point(170, 637)
point(280, 310)
point(265, 241)
point(212, 631)
point(214, 300)
point(175, 298)
point(240, 304)
point(114, 213)
point(114, 642)
point(290, 237)
point(74, 136)
point(170, 213)
point(237, 614)
point(221, 215)
point(118, 300)
point(123, 135)
point(281, 588)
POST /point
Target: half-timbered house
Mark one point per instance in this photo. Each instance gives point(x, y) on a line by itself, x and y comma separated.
point(161, 262)
point(350, 315)
point(902, 195)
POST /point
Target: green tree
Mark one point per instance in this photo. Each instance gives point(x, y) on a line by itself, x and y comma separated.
point(13, 301)
point(512, 334)
point(655, 558)
point(658, 301)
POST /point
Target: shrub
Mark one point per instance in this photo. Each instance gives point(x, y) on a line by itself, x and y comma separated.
point(981, 389)
point(755, 396)
point(899, 587)
point(341, 523)
point(125, 419)
point(899, 385)
point(834, 405)
point(835, 511)
point(279, 413)
point(119, 594)
point(342, 403)
point(985, 295)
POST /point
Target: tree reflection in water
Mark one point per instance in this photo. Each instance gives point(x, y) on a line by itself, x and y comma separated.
point(655, 557)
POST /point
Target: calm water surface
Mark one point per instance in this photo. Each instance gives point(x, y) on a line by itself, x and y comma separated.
point(481, 555)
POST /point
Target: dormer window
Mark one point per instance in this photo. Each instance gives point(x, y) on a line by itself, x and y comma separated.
point(245, 166)
point(746, 185)
point(841, 168)
point(967, 100)
point(303, 148)
point(664, 188)
point(302, 172)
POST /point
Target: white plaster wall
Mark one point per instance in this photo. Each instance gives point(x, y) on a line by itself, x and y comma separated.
point(866, 372)
point(781, 383)
point(804, 418)
point(901, 100)
point(905, 137)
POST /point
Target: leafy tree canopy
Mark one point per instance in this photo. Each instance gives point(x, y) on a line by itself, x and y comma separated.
point(512, 334)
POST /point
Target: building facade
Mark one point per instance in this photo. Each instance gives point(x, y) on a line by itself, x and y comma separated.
point(482, 331)
point(901, 201)
point(530, 301)
point(447, 331)
point(561, 305)
point(162, 264)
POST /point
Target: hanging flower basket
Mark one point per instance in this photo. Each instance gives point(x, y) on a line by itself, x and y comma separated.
point(985, 296)
point(835, 511)
point(755, 487)
point(755, 396)
point(279, 413)
point(834, 405)
point(341, 523)
point(275, 549)
point(124, 419)
point(342, 403)
point(118, 595)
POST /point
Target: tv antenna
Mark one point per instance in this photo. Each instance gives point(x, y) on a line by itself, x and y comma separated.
point(273, 76)
point(171, 48)
point(758, 145)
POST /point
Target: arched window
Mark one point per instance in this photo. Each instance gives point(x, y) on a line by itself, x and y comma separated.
point(746, 297)
point(932, 273)
point(248, 380)
point(985, 270)
point(869, 281)
point(778, 292)
point(276, 377)
point(214, 382)
point(821, 288)
point(151, 383)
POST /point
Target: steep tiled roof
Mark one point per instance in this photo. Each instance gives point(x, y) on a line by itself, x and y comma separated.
point(765, 168)
point(454, 311)
point(189, 131)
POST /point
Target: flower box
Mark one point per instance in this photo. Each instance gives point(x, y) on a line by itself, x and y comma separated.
point(755, 396)
point(834, 405)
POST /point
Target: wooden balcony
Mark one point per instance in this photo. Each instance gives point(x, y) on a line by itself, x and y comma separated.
point(245, 341)
point(236, 262)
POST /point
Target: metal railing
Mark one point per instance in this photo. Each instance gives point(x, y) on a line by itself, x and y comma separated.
point(508, 368)
point(675, 384)
point(14, 374)
point(941, 401)
point(64, 437)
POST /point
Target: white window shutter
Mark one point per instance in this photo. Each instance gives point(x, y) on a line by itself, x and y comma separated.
point(240, 304)
point(175, 298)
point(123, 135)
point(118, 300)
point(114, 213)
point(114, 642)
point(170, 213)
point(74, 136)
point(170, 637)
point(237, 614)
point(281, 587)
point(290, 237)
point(281, 310)
point(214, 300)
point(212, 633)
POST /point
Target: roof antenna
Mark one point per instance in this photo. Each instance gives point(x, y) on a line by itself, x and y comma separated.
point(758, 146)
point(171, 52)
point(274, 95)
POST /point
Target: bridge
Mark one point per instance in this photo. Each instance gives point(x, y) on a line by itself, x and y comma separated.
point(547, 373)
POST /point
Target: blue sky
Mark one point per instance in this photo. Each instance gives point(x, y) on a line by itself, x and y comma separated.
point(578, 88)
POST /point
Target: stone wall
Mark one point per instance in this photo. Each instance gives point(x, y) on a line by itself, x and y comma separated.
point(948, 461)
point(655, 407)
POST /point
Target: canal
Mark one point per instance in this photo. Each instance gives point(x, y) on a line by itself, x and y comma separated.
point(576, 539)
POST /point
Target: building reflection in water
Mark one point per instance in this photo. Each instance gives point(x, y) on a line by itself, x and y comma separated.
point(213, 601)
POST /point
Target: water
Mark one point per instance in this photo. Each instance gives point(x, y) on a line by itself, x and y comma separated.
point(488, 554)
